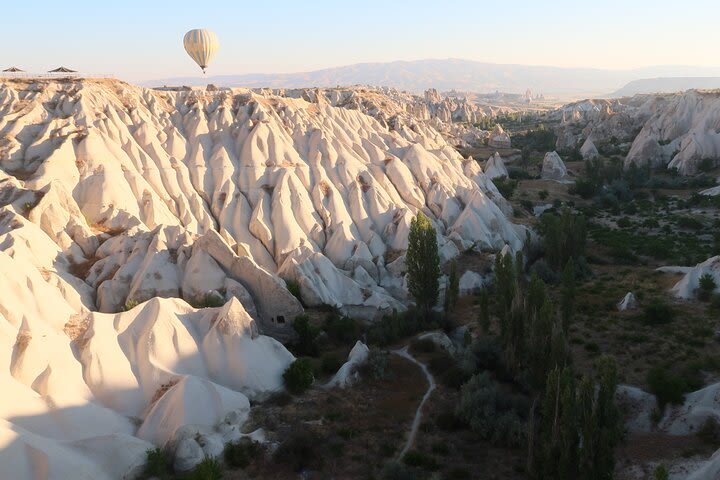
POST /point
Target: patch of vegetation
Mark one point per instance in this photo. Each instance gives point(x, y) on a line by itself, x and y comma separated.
point(157, 465)
point(492, 414)
point(667, 386)
point(422, 460)
point(241, 453)
point(208, 469)
point(376, 366)
point(506, 186)
point(658, 313)
point(300, 451)
point(306, 342)
point(294, 288)
point(706, 286)
point(299, 376)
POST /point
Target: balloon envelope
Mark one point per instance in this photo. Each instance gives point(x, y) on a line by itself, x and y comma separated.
point(201, 45)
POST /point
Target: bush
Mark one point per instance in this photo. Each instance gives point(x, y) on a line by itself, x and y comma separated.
point(418, 459)
point(657, 313)
point(397, 471)
point(208, 469)
point(377, 364)
point(307, 334)
point(331, 362)
point(706, 286)
point(506, 186)
point(294, 288)
point(239, 454)
point(487, 352)
point(341, 328)
point(299, 376)
point(709, 433)
point(489, 413)
point(666, 386)
point(157, 464)
point(299, 451)
point(661, 473)
point(584, 188)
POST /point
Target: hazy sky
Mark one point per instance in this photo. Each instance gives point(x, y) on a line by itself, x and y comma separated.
point(141, 40)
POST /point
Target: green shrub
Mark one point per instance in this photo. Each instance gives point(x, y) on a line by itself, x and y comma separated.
point(543, 194)
point(667, 386)
point(239, 454)
point(584, 188)
point(657, 313)
point(341, 328)
point(211, 299)
point(157, 464)
point(661, 473)
point(299, 376)
point(377, 364)
point(706, 286)
point(306, 342)
point(709, 432)
point(208, 469)
point(689, 223)
point(330, 362)
point(418, 459)
point(490, 413)
point(294, 288)
point(299, 451)
point(506, 186)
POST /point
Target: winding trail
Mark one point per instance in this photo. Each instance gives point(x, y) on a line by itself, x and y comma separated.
point(403, 352)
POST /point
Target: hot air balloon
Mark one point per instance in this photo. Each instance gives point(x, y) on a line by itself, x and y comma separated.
point(201, 45)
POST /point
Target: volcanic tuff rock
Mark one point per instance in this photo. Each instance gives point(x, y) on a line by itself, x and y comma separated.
point(495, 167)
point(675, 130)
point(687, 285)
point(112, 196)
point(553, 167)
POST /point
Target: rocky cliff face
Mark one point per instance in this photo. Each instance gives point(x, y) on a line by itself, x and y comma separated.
point(112, 196)
point(675, 130)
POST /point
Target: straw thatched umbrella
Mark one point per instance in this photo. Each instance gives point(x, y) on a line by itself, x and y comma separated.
point(13, 70)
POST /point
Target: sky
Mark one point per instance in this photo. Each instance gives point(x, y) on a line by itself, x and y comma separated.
point(142, 40)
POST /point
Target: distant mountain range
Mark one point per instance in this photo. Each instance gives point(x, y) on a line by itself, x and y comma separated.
point(666, 84)
point(449, 74)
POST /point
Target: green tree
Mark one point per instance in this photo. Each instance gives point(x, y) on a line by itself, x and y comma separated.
point(423, 264)
point(453, 288)
point(564, 237)
point(484, 311)
point(505, 284)
point(567, 294)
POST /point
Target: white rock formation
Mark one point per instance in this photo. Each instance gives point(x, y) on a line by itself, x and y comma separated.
point(553, 167)
point(589, 150)
point(495, 167)
point(114, 198)
point(349, 374)
point(638, 407)
point(687, 418)
point(687, 286)
point(499, 138)
point(629, 302)
point(711, 192)
point(675, 130)
point(471, 282)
